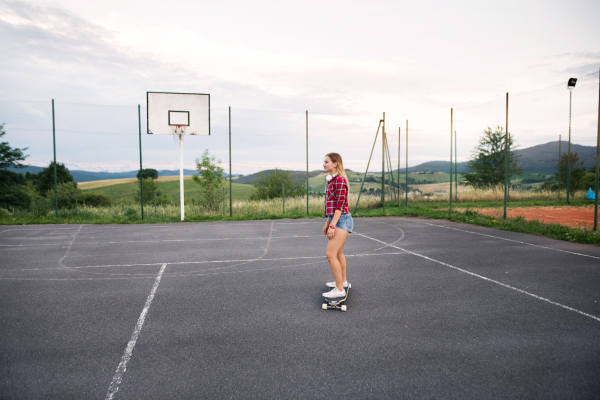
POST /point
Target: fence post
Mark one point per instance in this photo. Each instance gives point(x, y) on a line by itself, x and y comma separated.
point(223, 200)
point(283, 189)
point(154, 203)
point(76, 205)
point(559, 142)
point(398, 172)
point(506, 163)
point(307, 162)
point(141, 171)
point(230, 192)
point(569, 151)
point(406, 169)
point(451, 128)
point(55, 177)
point(383, 164)
point(597, 161)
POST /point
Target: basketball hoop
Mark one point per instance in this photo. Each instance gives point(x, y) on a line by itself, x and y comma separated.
point(178, 129)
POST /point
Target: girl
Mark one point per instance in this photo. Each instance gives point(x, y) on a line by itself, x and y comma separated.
point(338, 224)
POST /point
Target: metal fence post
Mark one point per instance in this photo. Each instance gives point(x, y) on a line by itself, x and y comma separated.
point(76, 205)
point(154, 203)
point(569, 151)
point(398, 172)
point(559, 142)
point(506, 163)
point(55, 175)
point(597, 161)
point(141, 171)
point(283, 189)
point(451, 128)
point(230, 192)
point(406, 169)
point(383, 164)
point(307, 162)
point(223, 200)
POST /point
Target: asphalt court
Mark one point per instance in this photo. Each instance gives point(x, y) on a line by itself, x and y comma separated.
point(233, 310)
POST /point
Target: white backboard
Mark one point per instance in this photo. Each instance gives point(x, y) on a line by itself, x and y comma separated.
point(188, 110)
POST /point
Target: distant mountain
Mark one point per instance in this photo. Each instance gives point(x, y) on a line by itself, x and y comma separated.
point(88, 176)
point(541, 158)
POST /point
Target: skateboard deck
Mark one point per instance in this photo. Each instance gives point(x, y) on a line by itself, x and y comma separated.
point(336, 304)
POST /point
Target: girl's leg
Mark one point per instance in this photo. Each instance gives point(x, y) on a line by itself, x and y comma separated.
point(334, 248)
point(342, 261)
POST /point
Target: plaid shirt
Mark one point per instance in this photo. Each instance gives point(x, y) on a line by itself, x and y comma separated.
point(336, 196)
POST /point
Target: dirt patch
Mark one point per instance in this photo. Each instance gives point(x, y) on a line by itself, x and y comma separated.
point(575, 217)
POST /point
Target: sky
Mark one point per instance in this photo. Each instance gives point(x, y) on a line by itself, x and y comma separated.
point(346, 62)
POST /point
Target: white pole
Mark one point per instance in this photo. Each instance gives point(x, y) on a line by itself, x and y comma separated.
point(181, 177)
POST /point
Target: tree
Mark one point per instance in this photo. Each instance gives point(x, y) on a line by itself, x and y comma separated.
point(270, 185)
point(10, 157)
point(45, 181)
point(577, 172)
point(147, 173)
point(210, 181)
point(487, 167)
point(11, 184)
point(149, 188)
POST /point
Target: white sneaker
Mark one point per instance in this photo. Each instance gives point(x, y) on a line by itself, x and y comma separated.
point(332, 284)
point(334, 293)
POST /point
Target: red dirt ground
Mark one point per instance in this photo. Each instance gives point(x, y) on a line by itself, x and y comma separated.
point(575, 217)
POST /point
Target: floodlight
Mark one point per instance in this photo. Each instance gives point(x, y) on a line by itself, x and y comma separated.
point(571, 84)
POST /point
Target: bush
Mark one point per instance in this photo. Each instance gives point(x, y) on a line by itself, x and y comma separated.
point(270, 186)
point(95, 199)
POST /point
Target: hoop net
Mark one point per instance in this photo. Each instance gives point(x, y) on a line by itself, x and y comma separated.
point(178, 129)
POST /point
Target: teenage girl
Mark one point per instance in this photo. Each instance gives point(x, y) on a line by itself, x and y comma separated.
point(338, 224)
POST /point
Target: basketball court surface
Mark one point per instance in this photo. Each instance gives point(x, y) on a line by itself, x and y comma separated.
point(233, 310)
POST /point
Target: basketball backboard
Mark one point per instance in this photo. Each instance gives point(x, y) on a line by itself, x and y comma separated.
point(178, 113)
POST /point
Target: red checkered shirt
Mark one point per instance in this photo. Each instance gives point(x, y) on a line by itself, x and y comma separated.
point(336, 196)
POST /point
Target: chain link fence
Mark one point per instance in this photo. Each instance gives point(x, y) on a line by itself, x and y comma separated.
point(458, 157)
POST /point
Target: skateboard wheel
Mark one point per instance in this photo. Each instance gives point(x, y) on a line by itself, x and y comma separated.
point(324, 306)
point(344, 308)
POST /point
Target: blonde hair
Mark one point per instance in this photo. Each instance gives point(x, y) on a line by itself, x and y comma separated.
point(336, 158)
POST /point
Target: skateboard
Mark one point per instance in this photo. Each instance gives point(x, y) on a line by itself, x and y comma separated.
point(336, 304)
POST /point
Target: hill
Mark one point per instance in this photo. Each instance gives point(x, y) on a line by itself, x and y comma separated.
point(299, 176)
point(90, 176)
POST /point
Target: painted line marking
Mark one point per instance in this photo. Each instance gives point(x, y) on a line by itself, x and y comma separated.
point(164, 241)
point(198, 262)
point(488, 279)
point(511, 240)
point(122, 367)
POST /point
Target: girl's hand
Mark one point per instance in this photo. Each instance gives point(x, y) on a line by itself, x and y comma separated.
point(330, 233)
point(325, 229)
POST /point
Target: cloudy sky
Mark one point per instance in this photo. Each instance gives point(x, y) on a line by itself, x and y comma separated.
point(346, 62)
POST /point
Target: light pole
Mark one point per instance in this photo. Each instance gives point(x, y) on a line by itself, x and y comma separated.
point(571, 86)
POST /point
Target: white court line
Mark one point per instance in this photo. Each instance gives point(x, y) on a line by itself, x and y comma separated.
point(511, 240)
point(164, 240)
point(197, 262)
point(114, 385)
point(488, 279)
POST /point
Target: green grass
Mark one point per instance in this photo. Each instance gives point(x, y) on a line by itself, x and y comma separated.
point(171, 189)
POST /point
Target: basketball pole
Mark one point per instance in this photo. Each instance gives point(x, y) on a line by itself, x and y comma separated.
point(181, 177)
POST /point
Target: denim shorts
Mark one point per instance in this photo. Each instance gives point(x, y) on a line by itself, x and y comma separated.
point(345, 222)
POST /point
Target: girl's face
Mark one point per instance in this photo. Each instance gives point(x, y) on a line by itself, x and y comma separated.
point(329, 166)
